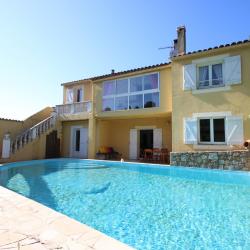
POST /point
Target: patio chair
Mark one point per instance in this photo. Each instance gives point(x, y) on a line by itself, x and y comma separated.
point(148, 154)
point(164, 155)
point(156, 154)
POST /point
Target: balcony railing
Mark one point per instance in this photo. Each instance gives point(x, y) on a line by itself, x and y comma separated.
point(74, 108)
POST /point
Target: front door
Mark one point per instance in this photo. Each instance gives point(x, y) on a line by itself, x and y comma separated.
point(52, 145)
point(79, 142)
point(146, 140)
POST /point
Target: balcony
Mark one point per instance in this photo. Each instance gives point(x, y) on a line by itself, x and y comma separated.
point(72, 111)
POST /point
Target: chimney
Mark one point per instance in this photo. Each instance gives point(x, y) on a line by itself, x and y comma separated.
point(112, 71)
point(181, 40)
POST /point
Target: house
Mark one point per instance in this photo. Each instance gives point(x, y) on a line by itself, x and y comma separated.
point(196, 105)
point(211, 105)
point(128, 111)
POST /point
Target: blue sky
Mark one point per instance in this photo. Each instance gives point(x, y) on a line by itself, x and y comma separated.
point(45, 43)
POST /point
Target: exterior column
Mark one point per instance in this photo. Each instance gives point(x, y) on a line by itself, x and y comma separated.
point(92, 139)
point(59, 128)
point(92, 126)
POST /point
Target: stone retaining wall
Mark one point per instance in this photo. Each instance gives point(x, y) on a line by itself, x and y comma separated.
point(233, 160)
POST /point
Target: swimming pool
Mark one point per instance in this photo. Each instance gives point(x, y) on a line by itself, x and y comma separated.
point(145, 206)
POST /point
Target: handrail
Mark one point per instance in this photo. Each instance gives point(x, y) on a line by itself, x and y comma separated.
point(41, 122)
point(32, 133)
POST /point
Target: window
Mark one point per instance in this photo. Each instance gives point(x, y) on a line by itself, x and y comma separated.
point(121, 103)
point(79, 95)
point(131, 93)
point(77, 145)
point(109, 88)
point(210, 75)
point(136, 84)
point(212, 130)
point(205, 133)
point(151, 81)
point(212, 72)
point(217, 74)
point(151, 100)
point(203, 76)
point(108, 104)
point(122, 86)
point(135, 101)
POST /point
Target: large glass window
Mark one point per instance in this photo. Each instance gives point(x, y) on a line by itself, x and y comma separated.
point(210, 75)
point(151, 81)
point(212, 130)
point(122, 86)
point(108, 88)
point(136, 84)
point(108, 104)
point(151, 100)
point(121, 103)
point(131, 93)
point(135, 101)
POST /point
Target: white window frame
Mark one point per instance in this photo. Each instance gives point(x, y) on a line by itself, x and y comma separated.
point(143, 92)
point(210, 64)
point(211, 142)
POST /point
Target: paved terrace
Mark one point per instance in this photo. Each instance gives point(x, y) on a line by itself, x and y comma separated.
point(26, 224)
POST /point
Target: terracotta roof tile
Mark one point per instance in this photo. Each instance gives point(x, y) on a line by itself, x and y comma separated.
point(94, 78)
point(216, 47)
point(129, 71)
point(11, 120)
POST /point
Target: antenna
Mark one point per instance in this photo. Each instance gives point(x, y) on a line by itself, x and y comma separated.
point(167, 47)
point(172, 51)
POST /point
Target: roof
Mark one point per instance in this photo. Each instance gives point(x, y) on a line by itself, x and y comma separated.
point(214, 48)
point(10, 120)
point(129, 71)
point(94, 78)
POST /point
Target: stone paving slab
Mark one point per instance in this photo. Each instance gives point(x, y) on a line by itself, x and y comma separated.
point(28, 225)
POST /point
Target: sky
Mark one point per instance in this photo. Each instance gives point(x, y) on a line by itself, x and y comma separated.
point(46, 43)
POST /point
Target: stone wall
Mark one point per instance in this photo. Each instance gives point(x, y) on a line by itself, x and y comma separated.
point(233, 160)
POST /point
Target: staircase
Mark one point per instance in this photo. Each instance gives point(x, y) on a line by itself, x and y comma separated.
point(31, 135)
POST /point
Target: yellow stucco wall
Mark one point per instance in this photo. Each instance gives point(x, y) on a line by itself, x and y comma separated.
point(66, 135)
point(85, 85)
point(165, 95)
point(185, 103)
point(115, 133)
point(15, 128)
point(34, 150)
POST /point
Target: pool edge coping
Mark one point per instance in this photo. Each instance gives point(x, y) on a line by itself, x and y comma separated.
point(128, 162)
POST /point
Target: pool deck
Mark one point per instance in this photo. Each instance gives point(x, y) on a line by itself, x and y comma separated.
point(29, 225)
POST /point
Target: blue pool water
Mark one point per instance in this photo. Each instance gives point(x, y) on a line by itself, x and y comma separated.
point(144, 206)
